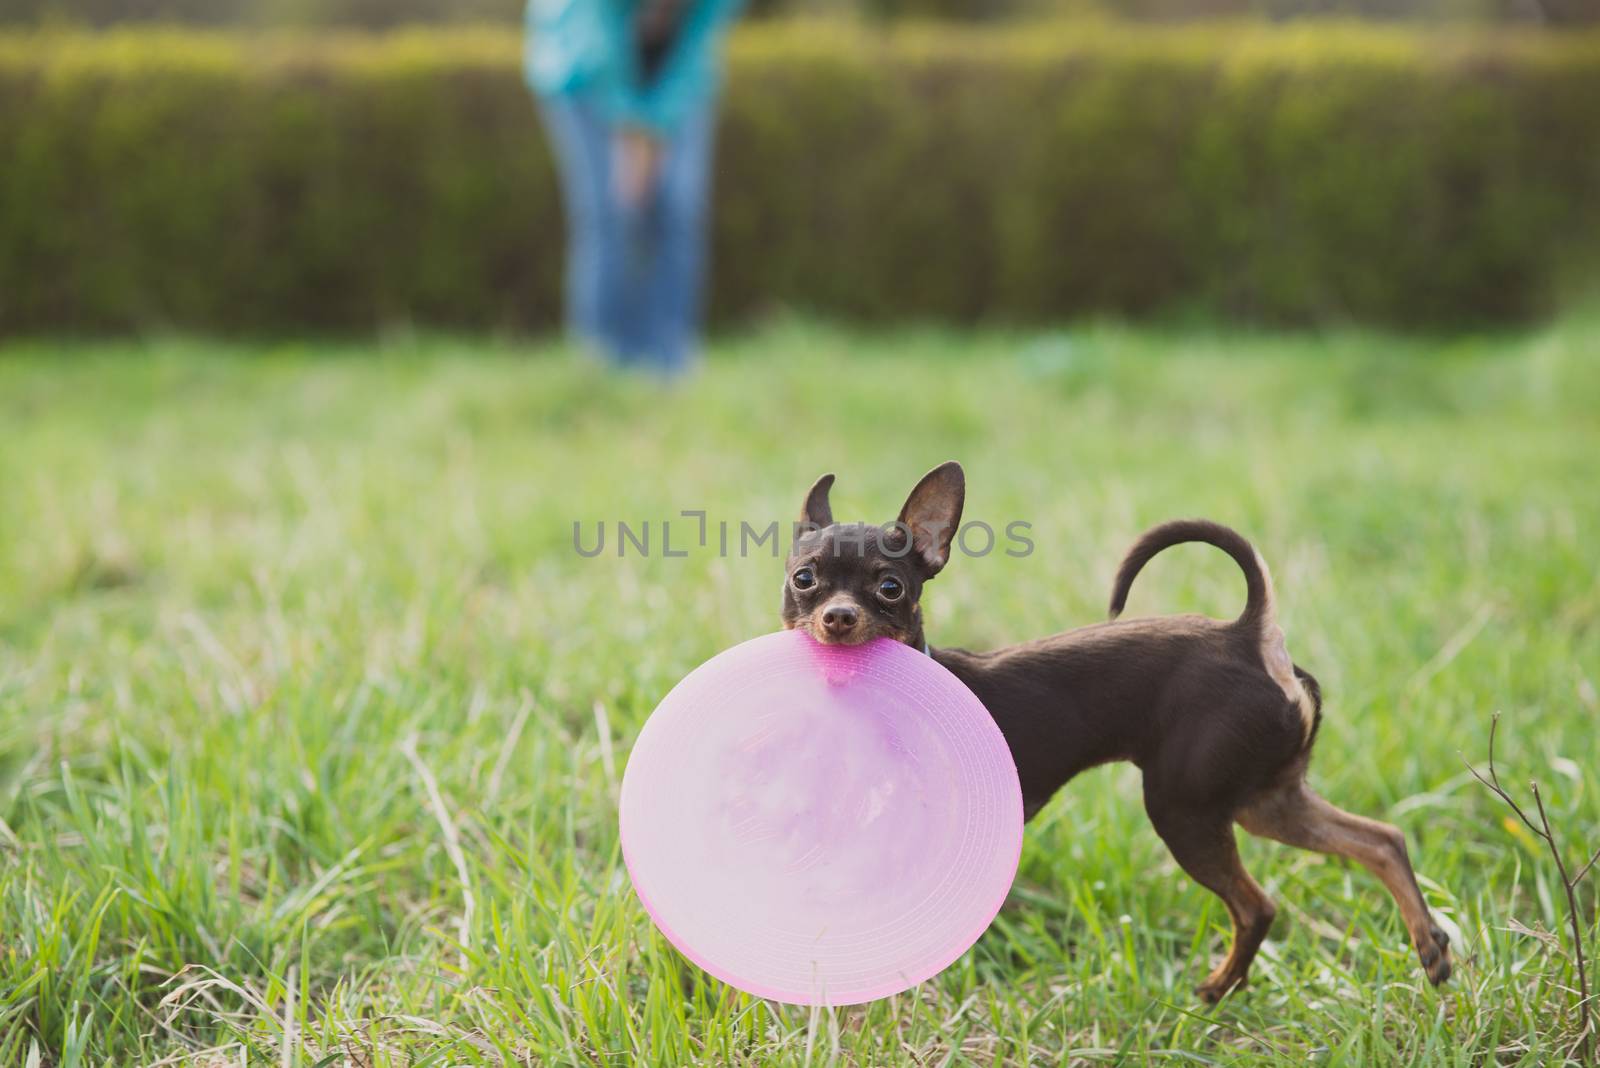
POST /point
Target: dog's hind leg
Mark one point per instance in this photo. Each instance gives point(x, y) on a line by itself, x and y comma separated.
point(1202, 843)
point(1296, 815)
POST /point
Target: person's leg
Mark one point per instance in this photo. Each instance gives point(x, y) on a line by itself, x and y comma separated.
point(674, 269)
point(595, 263)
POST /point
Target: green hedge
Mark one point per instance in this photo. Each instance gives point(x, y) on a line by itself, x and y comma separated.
point(152, 179)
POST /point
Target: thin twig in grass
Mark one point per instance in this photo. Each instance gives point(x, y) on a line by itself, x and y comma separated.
point(452, 841)
point(1578, 878)
point(1568, 883)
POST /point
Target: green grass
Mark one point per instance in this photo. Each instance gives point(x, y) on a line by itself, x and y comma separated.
point(254, 598)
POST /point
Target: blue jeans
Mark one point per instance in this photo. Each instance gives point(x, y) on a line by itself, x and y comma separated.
point(634, 274)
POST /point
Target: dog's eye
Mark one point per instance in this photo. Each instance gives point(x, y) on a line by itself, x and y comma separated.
point(890, 589)
point(803, 579)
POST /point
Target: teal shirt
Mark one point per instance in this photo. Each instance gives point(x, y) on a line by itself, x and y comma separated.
point(586, 47)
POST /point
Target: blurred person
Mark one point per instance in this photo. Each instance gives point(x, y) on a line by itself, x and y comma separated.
point(628, 92)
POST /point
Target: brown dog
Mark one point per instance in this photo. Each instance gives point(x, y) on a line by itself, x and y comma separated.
point(1215, 714)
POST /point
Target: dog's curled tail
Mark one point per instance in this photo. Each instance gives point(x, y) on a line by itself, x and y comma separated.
point(1259, 618)
point(1258, 584)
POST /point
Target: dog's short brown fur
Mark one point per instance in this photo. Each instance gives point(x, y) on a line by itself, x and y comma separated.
point(1215, 714)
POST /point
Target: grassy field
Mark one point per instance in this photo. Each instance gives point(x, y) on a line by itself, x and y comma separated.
point(312, 719)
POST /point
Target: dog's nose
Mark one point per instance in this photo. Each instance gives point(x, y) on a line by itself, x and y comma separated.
point(840, 618)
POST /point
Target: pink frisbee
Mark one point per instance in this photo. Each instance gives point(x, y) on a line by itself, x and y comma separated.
point(821, 824)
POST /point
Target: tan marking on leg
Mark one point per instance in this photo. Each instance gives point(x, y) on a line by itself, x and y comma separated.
point(1204, 846)
point(1296, 816)
point(1252, 912)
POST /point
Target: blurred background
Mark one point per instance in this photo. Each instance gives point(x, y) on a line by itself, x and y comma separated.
point(382, 13)
point(346, 165)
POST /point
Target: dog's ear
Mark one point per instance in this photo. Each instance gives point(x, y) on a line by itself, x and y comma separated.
point(932, 513)
point(816, 512)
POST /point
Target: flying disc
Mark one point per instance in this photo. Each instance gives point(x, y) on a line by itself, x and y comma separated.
point(821, 824)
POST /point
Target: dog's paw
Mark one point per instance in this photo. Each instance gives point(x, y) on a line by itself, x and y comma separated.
point(1219, 985)
point(1434, 952)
